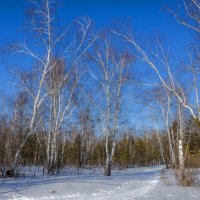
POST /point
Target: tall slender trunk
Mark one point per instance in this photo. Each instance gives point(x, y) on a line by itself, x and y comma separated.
point(171, 150)
point(180, 141)
point(181, 155)
point(107, 169)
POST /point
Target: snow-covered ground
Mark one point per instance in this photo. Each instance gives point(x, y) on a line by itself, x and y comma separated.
point(138, 183)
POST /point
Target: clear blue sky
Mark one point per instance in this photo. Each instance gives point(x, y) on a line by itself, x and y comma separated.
point(148, 18)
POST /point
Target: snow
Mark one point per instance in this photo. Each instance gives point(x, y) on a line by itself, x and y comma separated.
point(137, 183)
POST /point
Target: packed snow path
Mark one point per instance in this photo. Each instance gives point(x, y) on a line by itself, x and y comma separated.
point(131, 184)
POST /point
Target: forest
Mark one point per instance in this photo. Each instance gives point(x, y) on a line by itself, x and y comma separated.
point(74, 97)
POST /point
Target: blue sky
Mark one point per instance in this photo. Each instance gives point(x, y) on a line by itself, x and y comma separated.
point(148, 19)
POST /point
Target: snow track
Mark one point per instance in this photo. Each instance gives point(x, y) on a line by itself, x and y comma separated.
point(126, 191)
point(122, 185)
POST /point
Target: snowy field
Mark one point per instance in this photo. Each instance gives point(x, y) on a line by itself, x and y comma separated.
point(138, 183)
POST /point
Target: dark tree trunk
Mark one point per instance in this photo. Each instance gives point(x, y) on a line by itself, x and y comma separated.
point(107, 169)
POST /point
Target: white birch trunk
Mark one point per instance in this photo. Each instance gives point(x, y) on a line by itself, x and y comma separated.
point(181, 155)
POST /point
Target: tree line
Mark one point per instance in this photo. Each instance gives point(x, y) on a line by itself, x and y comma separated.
point(69, 108)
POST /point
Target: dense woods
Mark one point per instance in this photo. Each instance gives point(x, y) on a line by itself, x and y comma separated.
point(71, 103)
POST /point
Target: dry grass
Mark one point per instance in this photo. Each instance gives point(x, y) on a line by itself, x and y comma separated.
point(186, 177)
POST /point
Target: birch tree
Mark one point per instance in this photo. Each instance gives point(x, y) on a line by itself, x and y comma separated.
point(163, 102)
point(158, 61)
point(112, 73)
point(157, 58)
point(49, 43)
